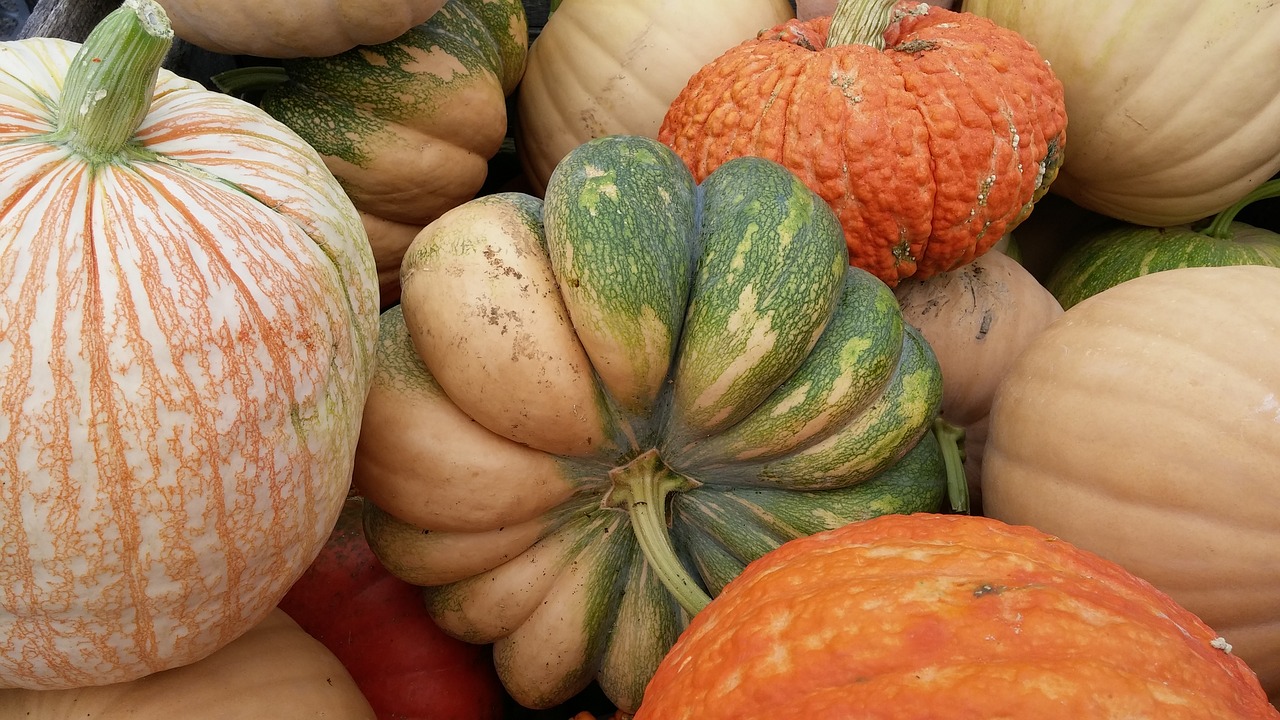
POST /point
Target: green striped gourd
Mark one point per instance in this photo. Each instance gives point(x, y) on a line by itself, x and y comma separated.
point(592, 410)
point(1116, 254)
point(407, 126)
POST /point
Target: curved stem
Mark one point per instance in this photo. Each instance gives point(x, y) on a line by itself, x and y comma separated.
point(951, 439)
point(112, 78)
point(860, 22)
point(1221, 226)
point(249, 79)
point(642, 487)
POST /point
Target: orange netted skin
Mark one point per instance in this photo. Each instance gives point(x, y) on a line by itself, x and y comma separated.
point(928, 150)
point(946, 616)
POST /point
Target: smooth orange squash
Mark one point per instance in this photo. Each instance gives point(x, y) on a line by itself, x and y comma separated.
point(931, 133)
point(946, 616)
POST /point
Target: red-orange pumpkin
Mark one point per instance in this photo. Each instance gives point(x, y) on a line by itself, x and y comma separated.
point(931, 133)
point(946, 616)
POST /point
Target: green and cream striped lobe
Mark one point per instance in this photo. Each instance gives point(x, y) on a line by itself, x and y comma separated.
point(630, 343)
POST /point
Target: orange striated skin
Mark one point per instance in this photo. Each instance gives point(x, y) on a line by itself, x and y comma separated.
point(946, 616)
point(928, 151)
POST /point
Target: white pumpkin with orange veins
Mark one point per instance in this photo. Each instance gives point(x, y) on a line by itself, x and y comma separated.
point(188, 306)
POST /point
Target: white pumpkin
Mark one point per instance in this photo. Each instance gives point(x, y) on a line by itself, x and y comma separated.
point(188, 305)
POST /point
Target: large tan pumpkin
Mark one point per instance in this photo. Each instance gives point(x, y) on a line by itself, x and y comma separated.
point(1144, 425)
point(275, 671)
point(188, 305)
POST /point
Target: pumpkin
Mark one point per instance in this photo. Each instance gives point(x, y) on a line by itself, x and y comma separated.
point(407, 126)
point(1142, 425)
point(930, 133)
point(1146, 88)
point(274, 670)
point(293, 28)
point(946, 616)
point(188, 308)
point(376, 625)
point(607, 67)
point(1123, 252)
point(976, 319)
point(592, 410)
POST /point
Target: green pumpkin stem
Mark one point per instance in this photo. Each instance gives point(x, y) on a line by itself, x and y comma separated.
point(641, 487)
point(860, 22)
point(951, 440)
point(109, 86)
point(1220, 227)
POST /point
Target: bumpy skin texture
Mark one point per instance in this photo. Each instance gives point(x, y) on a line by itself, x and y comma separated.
point(946, 616)
point(928, 150)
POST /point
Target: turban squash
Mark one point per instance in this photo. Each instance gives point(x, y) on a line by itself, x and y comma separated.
point(601, 405)
point(188, 308)
point(931, 133)
point(956, 616)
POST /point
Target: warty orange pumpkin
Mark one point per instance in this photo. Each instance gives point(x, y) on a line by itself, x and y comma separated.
point(931, 133)
point(188, 306)
point(946, 616)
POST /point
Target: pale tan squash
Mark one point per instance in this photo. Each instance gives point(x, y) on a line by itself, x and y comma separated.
point(293, 28)
point(603, 67)
point(275, 671)
point(1144, 425)
point(977, 319)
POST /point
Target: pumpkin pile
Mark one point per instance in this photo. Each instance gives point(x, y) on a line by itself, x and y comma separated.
point(484, 359)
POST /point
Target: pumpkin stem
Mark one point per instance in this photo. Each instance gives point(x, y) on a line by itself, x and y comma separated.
point(951, 440)
point(112, 78)
point(860, 22)
point(642, 487)
point(1220, 228)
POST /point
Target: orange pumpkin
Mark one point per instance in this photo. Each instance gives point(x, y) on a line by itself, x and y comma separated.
point(950, 616)
point(188, 306)
point(931, 133)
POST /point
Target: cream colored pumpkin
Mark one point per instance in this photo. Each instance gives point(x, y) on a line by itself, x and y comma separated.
point(977, 318)
point(1144, 425)
point(1172, 104)
point(188, 305)
point(605, 67)
point(275, 671)
point(294, 28)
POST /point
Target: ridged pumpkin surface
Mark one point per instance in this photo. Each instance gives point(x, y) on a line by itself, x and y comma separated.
point(590, 411)
point(1170, 380)
point(186, 337)
point(928, 150)
point(933, 616)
